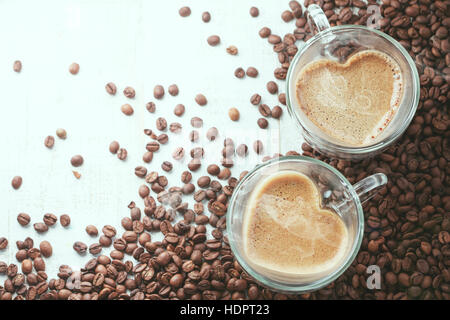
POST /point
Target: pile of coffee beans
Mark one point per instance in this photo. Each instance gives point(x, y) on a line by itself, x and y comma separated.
point(407, 233)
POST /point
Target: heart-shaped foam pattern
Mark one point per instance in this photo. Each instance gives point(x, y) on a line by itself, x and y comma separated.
point(287, 231)
point(352, 101)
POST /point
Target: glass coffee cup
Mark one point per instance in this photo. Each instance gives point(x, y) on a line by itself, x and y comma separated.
point(336, 193)
point(324, 45)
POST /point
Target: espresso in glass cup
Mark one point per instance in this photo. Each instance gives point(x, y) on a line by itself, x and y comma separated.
point(352, 90)
point(295, 223)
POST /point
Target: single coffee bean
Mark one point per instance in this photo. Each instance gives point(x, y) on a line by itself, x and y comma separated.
point(114, 147)
point(242, 150)
point(158, 92)
point(65, 220)
point(197, 152)
point(163, 138)
point(127, 109)
point(40, 227)
point(206, 17)
point(265, 32)
point(233, 113)
point(61, 133)
point(272, 87)
point(161, 124)
point(95, 248)
point(129, 92)
point(23, 219)
point(255, 99)
point(178, 153)
point(111, 88)
point(184, 12)
point(287, 16)
point(109, 231)
point(194, 164)
point(105, 241)
point(204, 181)
point(233, 50)
point(27, 266)
point(239, 73)
point(151, 107)
point(276, 112)
point(17, 66)
point(263, 123)
point(50, 219)
point(80, 247)
point(224, 174)
point(143, 191)
point(46, 249)
point(175, 127)
point(91, 230)
point(282, 98)
point(186, 177)
point(193, 136)
point(74, 68)
point(140, 171)
point(49, 142)
point(258, 146)
point(179, 110)
point(254, 12)
point(274, 39)
point(213, 169)
point(167, 166)
point(188, 188)
point(264, 110)
point(3, 243)
point(196, 122)
point(147, 157)
point(201, 99)
point(252, 72)
point(122, 154)
point(16, 182)
point(173, 90)
point(213, 40)
point(212, 134)
point(77, 160)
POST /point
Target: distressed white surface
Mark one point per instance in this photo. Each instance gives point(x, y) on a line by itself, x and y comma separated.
point(129, 42)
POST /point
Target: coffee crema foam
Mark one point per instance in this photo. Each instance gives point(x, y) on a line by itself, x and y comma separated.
point(351, 102)
point(286, 230)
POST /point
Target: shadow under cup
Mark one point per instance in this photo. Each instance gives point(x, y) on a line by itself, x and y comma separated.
point(336, 193)
point(337, 43)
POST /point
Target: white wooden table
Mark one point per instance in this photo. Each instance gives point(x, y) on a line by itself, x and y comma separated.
point(134, 43)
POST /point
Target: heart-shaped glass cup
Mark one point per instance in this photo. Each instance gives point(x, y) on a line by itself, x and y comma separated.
point(336, 193)
point(337, 44)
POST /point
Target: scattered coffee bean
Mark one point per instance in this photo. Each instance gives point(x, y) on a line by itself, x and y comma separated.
point(111, 88)
point(239, 73)
point(122, 154)
point(252, 72)
point(255, 99)
point(92, 230)
point(3, 243)
point(167, 166)
point(213, 169)
point(282, 98)
point(254, 12)
point(127, 109)
point(46, 249)
point(80, 247)
point(61, 133)
point(114, 147)
point(287, 16)
point(197, 152)
point(77, 160)
point(213, 40)
point(40, 227)
point(193, 136)
point(17, 66)
point(178, 153)
point(204, 181)
point(76, 174)
point(175, 127)
point(258, 146)
point(274, 39)
point(264, 32)
point(74, 68)
point(152, 146)
point(158, 92)
point(173, 90)
point(16, 182)
point(242, 150)
point(224, 174)
point(23, 219)
point(201, 99)
point(163, 138)
point(129, 92)
point(151, 107)
point(184, 12)
point(264, 110)
point(147, 157)
point(65, 220)
point(206, 16)
point(233, 113)
point(194, 164)
point(95, 249)
point(49, 142)
point(233, 50)
point(186, 177)
point(50, 219)
point(272, 87)
point(161, 124)
point(263, 123)
point(179, 110)
point(196, 122)
point(212, 134)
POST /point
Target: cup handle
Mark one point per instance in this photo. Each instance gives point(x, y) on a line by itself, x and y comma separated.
point(317, 18)
point(365, 188)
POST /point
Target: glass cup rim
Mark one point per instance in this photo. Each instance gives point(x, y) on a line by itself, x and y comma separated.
point(351, 149)
point(323, 281)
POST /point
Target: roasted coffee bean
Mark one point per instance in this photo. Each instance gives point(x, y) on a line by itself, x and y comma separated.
point(193, 136)
point(252, 72)
point(114, 147)
point(213, 169)
point(272, 87)
point(158, 92)
point(65, 220)
point(23, 219)
point(206, 17)
point(91, 230)
point(265, 32)
point(287, 16)
point(74, 68)
point(46, 249)
point(122, 154)
point(175, 127)
point(3, 243)
point(127, 109)
point(239, 73)
point(147, 157)
point(201, 101)
point(16, 182)
point(233, 50)
point(178, 153)
point(194, 164)
point(204, 181)
point(184, 12)
point(129, 92)
point(111, 88)
point(258, 146)
point(233, 113)
point(109, 231)
point(50, 219)
point(140, 171)
point(61, 133)
point(161, 124)
point(151, 107)
point(173, 90)
point(80, 247)
point(152, 146)
point(255, 99)
point(264, 110)
point(242, 150)
point(186, 177)
point(212, 134)
point(276, 112)
point(143, 191)
point(77, 161)
point(167, 166)
point(213, 40)
point(254, 12)
point(49, 142)
point(40, 227)
point(17, 66)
